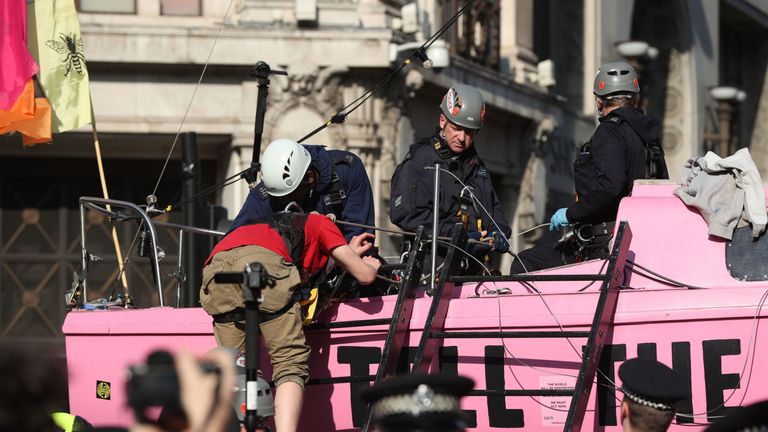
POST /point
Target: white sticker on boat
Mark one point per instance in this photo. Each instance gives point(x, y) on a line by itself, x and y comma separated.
point(554, 409)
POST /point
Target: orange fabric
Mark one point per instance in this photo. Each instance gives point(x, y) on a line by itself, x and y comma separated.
point(37, 130)
point(29, 116)
point(21, 109)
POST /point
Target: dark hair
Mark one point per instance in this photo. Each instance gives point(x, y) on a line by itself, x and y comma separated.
point(648, 419)
point(32, 387)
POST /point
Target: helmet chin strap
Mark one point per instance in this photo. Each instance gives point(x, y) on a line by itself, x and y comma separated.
point(293, 205)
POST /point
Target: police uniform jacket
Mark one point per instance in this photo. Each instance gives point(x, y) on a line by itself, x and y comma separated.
point(413, 187)
point(354, 190)
point(609, 163)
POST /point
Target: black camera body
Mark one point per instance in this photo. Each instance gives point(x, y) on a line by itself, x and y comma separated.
point(156, 384)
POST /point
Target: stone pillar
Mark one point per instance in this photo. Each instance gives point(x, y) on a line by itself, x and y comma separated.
point(592, 52)
point(677, 123)
point(676, 97)
point(393, 121)
point(507, 190)
point(240, 155)
point(759, 145)
point(429, 16)
point(517, 57)
point(705, 31)
point(533, 196)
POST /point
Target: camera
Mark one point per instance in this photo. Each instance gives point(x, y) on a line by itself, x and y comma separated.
point(156, 384)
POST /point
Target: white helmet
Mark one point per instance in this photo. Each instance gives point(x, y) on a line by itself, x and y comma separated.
point(283, 166)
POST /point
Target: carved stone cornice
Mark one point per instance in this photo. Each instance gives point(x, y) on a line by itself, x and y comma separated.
point(309, 86)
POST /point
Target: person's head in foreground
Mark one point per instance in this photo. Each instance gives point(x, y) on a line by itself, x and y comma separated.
point(651, 393)
point(419, 403)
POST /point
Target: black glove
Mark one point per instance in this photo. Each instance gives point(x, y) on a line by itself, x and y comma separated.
point(500, 242)
point(477, 249)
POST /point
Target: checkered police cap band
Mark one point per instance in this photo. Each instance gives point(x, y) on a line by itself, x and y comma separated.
point(423, 400)
point(661, 406)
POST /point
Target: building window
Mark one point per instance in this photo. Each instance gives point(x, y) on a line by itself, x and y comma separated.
point(180, 7)
point(107, 6)
point(475, 36)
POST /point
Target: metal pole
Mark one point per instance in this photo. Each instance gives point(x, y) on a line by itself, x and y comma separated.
point(261, 71)
point(155, 264)
point(435, 208)
point(180, 268)
point(83, 251)
point(193, 259)
point(254, 277)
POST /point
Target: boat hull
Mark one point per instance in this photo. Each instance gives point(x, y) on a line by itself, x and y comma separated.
point(706, 335)
point(712, 336)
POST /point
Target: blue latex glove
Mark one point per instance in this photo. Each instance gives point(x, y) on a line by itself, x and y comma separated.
point(500, 242)
point(558, 219)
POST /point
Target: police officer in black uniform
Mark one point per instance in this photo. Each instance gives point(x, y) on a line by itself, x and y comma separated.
point(625, 147)
point(651, 393)
point(464, 197)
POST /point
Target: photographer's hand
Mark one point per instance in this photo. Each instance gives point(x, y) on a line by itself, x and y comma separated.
point(206, 397)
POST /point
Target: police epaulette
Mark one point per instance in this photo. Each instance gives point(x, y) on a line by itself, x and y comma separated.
point(262, 190)
point(346, 158)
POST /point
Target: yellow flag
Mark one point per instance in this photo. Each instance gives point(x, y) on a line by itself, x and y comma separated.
point(55, 42)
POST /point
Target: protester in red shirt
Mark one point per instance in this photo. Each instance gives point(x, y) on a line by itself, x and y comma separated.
point(293, 248)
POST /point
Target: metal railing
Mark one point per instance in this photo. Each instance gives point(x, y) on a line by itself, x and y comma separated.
point(137, 213)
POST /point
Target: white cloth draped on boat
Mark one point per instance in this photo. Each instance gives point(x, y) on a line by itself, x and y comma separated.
point(727, 191)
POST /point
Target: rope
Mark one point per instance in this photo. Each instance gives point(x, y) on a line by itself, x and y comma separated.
point(398, 232)
point(337, 118)
point(194, 93)
point(340, 116)
point(123, 262)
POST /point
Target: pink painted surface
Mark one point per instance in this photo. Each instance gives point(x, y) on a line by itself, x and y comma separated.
point(710, 336)
point(102, 344)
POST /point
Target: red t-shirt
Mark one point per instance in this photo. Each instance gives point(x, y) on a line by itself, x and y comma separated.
point(321, 236)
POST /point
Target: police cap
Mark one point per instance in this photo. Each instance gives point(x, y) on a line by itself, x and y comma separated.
point(418, 394)
point(651, 383)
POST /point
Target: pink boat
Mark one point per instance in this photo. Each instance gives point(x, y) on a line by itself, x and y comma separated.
point(512, 345)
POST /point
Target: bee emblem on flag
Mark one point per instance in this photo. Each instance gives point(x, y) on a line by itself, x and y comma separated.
point(70, 46)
